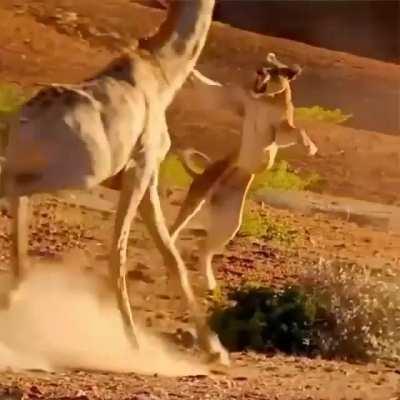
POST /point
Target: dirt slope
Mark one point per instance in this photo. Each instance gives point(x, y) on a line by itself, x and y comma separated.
point(43, 43)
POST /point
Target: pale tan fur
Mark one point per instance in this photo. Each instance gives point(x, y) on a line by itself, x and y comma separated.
point(78, 136)
point(219, 193)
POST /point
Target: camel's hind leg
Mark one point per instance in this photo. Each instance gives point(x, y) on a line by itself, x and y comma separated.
point(135, 182)
point(20, 214)
point(205, 261)
point(19, 245)
point(152, 214)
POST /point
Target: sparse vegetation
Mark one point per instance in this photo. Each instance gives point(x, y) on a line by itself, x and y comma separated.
point(317, 113)
point(336, 311)
point(281, 176)
point(256, 224)
point(361, 310)
point(11, 98)
point(172, 173)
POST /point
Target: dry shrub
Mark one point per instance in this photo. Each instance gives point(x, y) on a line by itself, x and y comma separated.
point(359, 310)
point(336, 310)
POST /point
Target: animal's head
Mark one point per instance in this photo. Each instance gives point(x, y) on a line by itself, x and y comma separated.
point(273, 77)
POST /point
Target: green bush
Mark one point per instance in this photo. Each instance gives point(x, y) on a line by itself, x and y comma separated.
point(172, 172)
point(256, 224)
point(282, 177)
point(262, 319)
point(336, 311)
point(317, 113)
point(11, 98)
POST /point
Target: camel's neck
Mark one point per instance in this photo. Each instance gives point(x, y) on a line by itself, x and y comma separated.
point(180, 39)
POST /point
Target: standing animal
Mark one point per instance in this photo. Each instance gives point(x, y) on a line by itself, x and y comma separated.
point(80, 136)
point(219, 193)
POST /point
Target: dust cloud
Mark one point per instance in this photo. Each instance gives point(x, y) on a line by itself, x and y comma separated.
point(59, 320)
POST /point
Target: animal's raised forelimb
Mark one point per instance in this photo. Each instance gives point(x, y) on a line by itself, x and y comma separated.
point(308, 143)
point(202, 78)
point(152, 215)
point(289, 135)
point(272, 151)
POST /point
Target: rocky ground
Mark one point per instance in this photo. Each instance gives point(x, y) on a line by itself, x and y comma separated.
point(64, 41)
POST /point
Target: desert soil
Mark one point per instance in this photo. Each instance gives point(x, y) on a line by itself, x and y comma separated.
point(64, 41)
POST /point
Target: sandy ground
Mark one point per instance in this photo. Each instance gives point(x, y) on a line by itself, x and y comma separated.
point(64, 316)
point(67, 319)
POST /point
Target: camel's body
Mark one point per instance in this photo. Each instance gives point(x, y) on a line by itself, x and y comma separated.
point(76, 137)
point(218, 195)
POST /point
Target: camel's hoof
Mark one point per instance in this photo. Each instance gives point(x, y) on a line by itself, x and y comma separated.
point(221, 359)
point(216, 353)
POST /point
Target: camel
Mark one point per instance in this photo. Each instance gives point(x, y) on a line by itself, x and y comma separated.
point(78, 136)
point(218, 194)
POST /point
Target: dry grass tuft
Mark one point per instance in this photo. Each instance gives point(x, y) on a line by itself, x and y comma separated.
point(360, 310)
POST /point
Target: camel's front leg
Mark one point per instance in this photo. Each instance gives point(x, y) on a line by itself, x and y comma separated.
point(19, 245)
point(154, 219)
point(135, 181)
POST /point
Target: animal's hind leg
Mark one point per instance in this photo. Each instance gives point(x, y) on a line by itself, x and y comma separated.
point(205, 262)
point(199, 190)
point(225, 218)
point(187, 212)
point(219, 233)
point(153, 217)
point(19, 209)
point(19, 245)
point(134, 185)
